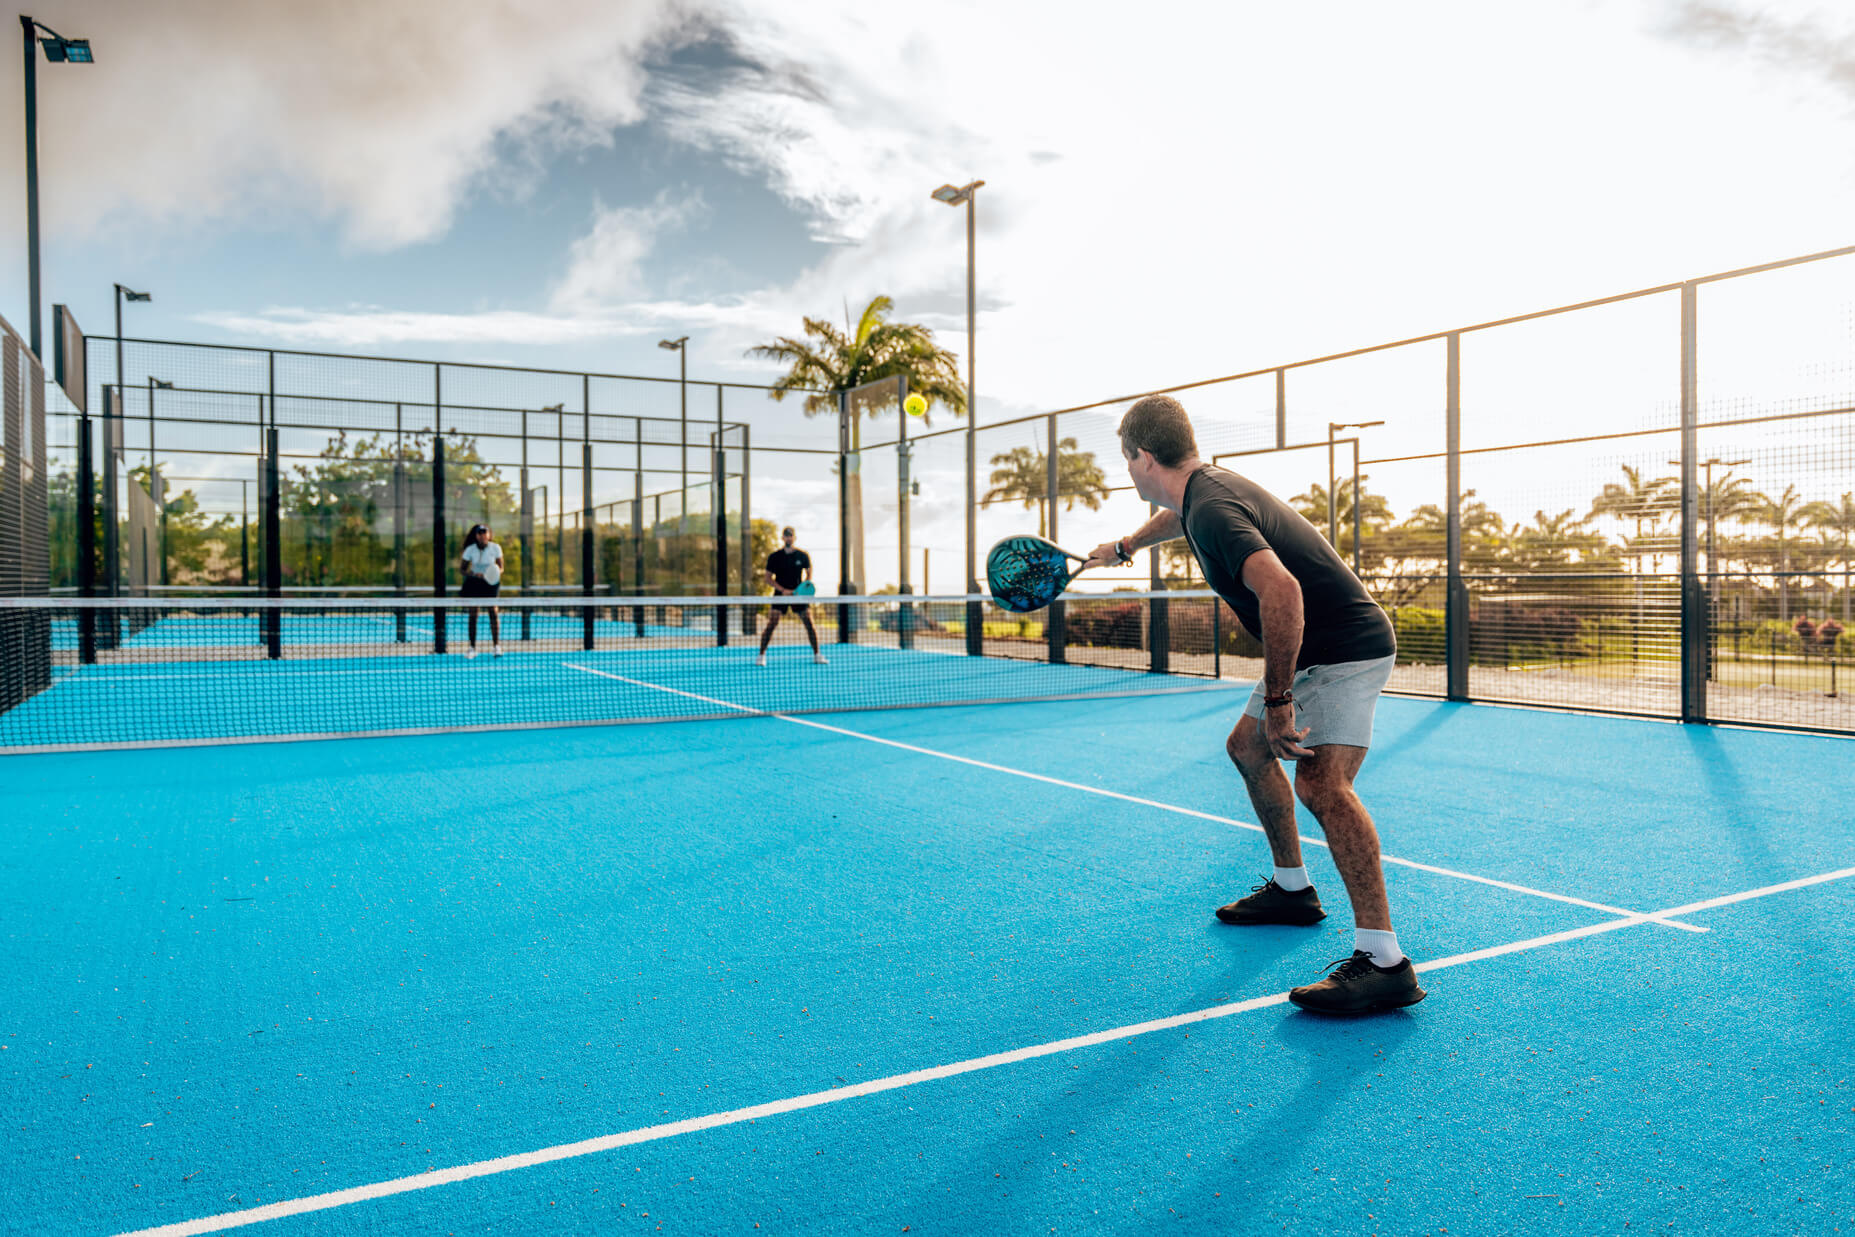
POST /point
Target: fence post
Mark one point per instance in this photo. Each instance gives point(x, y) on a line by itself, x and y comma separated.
point(637, 547)
point(1456, 603)
point(718, 491)
point(846, 613)
point(1695, 638)
point(1159, 620)
point(86, 544)
point(747, 528)
point(586, 539)
point(1056, 628)
point(975, 609)
point(439, 641)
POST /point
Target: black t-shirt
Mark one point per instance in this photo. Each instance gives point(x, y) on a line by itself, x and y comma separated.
point(788, 566)
point(1228, 517)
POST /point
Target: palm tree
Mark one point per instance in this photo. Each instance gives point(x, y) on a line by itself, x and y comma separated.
point(829, 361)
point(1728, 496)
point(1642, 502)
point(1548, 544)
point(1836, 518)
point(1374, 511)
point(1783, 513)
point(1023, 474)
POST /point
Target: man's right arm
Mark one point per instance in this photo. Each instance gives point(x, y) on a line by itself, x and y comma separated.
point(1278, 596)
point(1164, 526)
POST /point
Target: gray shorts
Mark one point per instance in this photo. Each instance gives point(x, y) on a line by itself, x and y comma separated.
point(1335, 702)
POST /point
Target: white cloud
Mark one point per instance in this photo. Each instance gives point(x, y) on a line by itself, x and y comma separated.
point(381, 116)
point(604, 265)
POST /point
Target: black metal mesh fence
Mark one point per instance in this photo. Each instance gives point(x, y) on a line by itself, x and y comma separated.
point(1637, 505)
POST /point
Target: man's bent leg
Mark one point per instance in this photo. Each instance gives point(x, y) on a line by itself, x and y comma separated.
point(766, 637)
point(1274, 801)
point(1270, 794)
point(805, 617)
point(1324, 782)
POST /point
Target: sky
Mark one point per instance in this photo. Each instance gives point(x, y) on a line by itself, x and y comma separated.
point(1172, 193)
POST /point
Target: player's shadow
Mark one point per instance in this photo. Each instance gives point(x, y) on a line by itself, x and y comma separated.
point(1439, 715)
point(1116, 1086)
point(1339, 1059)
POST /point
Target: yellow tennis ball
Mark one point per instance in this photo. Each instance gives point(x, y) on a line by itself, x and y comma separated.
point(915, 406)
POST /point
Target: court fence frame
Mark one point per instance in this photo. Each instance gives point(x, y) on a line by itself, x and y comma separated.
point(1575, 625)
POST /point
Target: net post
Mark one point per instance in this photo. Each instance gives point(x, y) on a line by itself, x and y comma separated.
point(86, 543)
point(1056, 631)
point(1217, 637)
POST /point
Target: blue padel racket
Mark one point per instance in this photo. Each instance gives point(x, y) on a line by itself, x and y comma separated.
point(1028, 573)
point(804, 588)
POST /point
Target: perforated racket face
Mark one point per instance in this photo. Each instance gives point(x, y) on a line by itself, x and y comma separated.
point(1026, 573)
point(804, 588)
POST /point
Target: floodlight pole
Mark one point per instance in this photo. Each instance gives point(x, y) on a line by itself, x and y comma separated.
point(28, 29)
point(1333, 507)
point(975, 633)
point(156, 488)
point(57, 48)
point(680, 346)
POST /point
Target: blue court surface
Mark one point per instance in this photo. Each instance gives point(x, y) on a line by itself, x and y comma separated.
point(943, 971)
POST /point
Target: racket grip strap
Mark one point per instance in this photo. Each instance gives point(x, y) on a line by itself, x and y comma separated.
point(1121, 552)
point(1276, 702)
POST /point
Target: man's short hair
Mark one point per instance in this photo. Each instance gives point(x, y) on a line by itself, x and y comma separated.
point(1158, 423)
point(787, 531)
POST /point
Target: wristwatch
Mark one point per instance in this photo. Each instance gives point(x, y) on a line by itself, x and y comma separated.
point(1120, 551)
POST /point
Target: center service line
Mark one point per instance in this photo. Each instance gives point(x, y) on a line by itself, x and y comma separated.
point(1662, 920)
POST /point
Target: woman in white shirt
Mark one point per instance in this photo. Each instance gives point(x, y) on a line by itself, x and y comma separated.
point(483, 578)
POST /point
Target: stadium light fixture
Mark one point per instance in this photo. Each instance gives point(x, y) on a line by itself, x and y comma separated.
point(58, 50)
point(958, 195)
point(680, 346)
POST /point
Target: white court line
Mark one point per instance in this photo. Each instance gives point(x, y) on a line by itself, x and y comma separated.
point(1154, 803)
point(672, 1129)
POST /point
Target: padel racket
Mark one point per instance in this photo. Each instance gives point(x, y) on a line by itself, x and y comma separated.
point(804, 588)
point(1028, 573)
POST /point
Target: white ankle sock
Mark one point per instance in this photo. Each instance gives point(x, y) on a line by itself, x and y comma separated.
point(1381, 943)
point(1292, 880)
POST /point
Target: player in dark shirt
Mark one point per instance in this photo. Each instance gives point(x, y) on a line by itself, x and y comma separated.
point(785, 568)
point(1328, 650)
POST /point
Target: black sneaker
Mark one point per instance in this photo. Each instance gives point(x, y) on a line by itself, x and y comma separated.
point(1270, 903)
point(1361, 986)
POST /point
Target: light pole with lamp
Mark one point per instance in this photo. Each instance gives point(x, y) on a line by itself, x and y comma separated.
point(58, 50)
point(1333, 507)
point(112, 439)
point(157, 488)
point(956, 195)
point(680, 346)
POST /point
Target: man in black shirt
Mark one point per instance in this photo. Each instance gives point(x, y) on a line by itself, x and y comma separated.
point(1328, 651)
point(785, 568)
